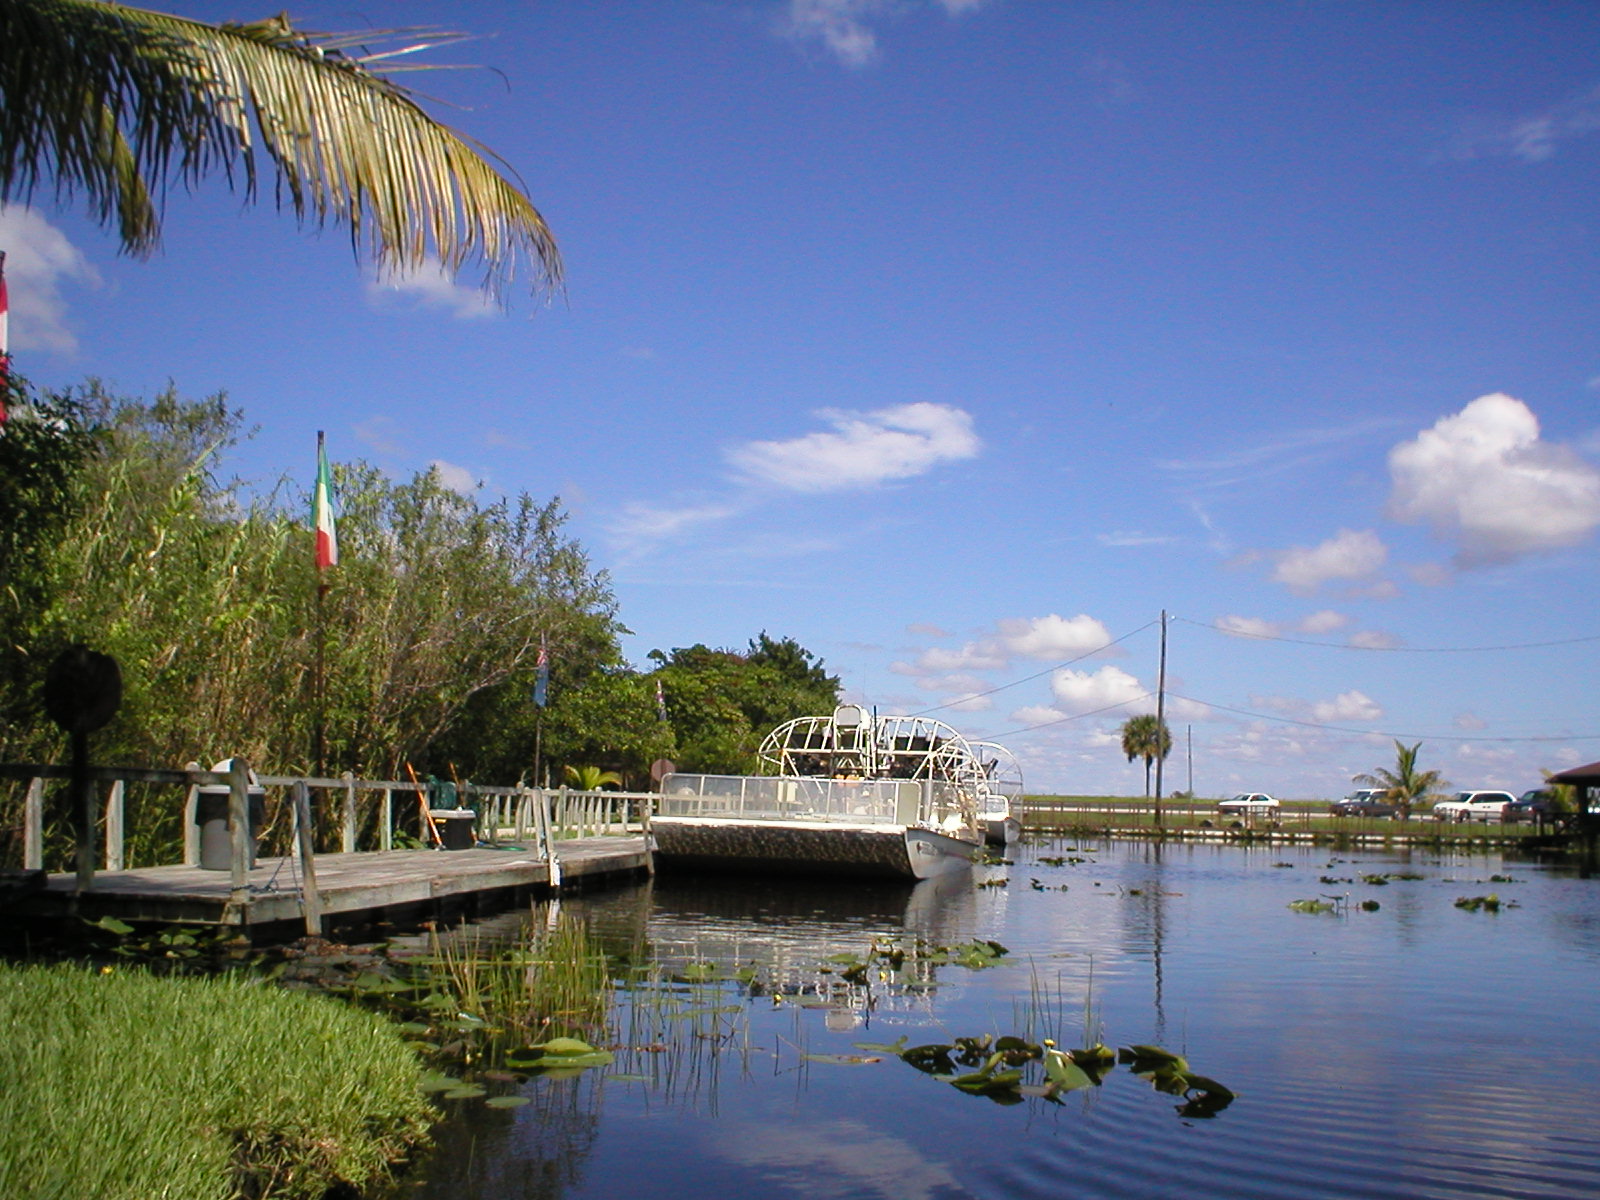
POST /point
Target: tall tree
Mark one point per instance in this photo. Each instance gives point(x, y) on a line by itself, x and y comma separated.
point(1404, 786)
point(119, 103)
point(1148, 738)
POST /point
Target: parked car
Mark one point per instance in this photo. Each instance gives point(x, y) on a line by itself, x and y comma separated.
point(1248, 802)
point(1474, 806)
point(1535, 805)
point(1363, 802)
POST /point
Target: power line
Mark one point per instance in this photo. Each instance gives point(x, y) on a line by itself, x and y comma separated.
point(1036, 675)
point(1273, 637)
point(1094, 712)
point(1429, 737)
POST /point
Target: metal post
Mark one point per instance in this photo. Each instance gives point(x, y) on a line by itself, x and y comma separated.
point(305, 854)
point(1161, 714)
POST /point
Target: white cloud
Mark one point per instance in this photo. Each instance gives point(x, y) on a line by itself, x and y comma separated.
point(1347, 706)
point(1083, 692)
point(1052, 637)
point(951, 684)
point(39, 259)
point(863, 449)
point(1349, 554)
point(1483, 479)
point(1374, 639)
point(974, 656)
point(1325, 621)
point(1469, 720)
point(1132, 537)
point(457, 479)
point(835, 1158)
point(844, 27)
point(1247, 626)
point(640, 522)
point(1534, 136)
point(431, 286)
point(1038, 714)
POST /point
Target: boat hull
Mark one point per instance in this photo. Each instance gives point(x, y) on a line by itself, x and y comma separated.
point(826, 849)
point(1001, 831)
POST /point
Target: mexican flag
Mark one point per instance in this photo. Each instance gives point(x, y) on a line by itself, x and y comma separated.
point(322, 512)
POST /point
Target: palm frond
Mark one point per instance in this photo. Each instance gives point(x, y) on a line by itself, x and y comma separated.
point(119, 103)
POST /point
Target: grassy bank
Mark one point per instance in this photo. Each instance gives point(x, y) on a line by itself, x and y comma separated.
point(124, 1086)
point(1300, 819)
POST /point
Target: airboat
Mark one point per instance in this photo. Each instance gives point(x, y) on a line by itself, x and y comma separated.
point(1000, 793)
point(851, 794)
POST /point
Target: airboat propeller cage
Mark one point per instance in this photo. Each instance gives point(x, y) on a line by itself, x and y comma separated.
point(854, 744)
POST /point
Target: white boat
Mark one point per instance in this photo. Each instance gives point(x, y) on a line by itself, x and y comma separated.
point(1000, 793)
point(848, 795)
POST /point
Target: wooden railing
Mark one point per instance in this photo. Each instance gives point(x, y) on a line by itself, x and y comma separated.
point(521, 813)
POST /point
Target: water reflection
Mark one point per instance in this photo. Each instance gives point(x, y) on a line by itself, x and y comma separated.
point(1410, 1049)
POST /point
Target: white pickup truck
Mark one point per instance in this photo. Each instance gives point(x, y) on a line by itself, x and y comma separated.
point(1473, 806)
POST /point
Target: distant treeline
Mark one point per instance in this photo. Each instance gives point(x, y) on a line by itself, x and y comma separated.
point(118, 530)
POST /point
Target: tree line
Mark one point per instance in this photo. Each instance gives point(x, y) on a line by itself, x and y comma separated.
point(120, 530)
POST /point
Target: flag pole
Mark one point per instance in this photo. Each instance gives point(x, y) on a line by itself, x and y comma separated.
point(317, 675)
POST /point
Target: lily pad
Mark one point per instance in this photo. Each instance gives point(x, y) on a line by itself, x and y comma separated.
point(505, 1102)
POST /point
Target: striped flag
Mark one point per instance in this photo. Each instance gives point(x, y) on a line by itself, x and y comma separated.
point(322, 512)
point(5, 341)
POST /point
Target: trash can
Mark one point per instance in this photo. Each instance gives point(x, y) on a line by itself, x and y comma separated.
point(455, 827)
point(211, 815)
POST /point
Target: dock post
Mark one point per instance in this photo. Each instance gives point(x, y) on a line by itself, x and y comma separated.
point(349, 812)
point(386, 839)
point(191, 828)
point(33, 826)
point(305, 854)
point(239, 833)
point(116, 811)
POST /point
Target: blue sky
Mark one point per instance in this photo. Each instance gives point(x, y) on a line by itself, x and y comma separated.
point(959, 339)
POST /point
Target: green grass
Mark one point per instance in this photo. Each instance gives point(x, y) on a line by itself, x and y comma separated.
point(1128, 814)
point(121, 1085)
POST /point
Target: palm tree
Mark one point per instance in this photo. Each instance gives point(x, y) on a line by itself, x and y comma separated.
point(1148, 738)
point(1405, 785)
point(118, 103)
point(591, 779)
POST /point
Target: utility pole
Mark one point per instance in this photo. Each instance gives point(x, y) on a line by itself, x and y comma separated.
point(1161, 714)
point(1189, 737)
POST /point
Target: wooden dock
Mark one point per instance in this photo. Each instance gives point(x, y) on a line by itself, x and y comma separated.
point(354, 888)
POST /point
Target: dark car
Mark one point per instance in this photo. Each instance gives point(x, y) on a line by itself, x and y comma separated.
point(1537, 805)
point(1363, 803)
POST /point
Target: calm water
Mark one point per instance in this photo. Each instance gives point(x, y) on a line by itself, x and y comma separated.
point(1414, 1051)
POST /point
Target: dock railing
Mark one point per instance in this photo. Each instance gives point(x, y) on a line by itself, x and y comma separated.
point(364, 806)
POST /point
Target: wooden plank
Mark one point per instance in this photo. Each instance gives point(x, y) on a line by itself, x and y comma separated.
point(33, 826)
point(344, 884)
point(116, 810)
